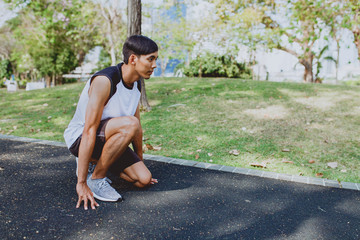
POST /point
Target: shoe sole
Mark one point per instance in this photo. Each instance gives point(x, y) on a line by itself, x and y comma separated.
point(107, 199)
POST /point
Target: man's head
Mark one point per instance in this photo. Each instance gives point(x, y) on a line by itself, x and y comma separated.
point(138, 45)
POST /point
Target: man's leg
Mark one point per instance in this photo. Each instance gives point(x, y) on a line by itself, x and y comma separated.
point(138, 174)
point(119, 133)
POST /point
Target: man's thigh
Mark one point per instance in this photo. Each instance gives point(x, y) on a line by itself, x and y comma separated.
point(121, 124)
point(127, 160)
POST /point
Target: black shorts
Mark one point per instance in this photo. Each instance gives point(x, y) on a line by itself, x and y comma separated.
point(128, 158)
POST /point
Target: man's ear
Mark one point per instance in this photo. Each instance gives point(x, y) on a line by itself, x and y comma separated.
point(133, 59)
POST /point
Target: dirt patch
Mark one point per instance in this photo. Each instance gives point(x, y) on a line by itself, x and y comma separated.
point(271, 112)
point(325, 100)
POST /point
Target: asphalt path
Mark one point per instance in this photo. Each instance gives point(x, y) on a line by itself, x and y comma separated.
point(38, 199)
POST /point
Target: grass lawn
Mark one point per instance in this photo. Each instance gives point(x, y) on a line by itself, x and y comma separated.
point(286, 127)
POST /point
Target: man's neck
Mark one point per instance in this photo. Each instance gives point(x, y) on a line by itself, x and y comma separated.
point(129, 76)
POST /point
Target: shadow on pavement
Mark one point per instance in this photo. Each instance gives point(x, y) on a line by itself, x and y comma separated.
point(38, 201)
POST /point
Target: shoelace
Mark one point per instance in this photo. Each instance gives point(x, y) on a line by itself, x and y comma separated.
point(105, 183)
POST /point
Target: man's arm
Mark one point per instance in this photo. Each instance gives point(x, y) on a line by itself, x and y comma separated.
point(137, 141)
point(98, 95)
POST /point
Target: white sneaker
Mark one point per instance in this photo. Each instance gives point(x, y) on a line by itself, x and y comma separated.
point(102, 190)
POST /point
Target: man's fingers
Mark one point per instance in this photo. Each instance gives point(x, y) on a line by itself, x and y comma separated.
point(78, 203)
point(93, 202)
point(153, 181)
point(85, 204)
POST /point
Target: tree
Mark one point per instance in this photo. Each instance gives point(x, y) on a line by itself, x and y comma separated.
point(134, 28)
point(351, 20)
point(111, 26)
point(168, 30)
point(52, 35)
point(297, 33)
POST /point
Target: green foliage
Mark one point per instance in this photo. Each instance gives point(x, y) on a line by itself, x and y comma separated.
point(52, 37)
point(104, 60)
point(5, 69)
point(217, 66)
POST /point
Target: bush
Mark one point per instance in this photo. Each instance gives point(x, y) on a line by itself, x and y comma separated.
point(217, 66)
point(2, 83)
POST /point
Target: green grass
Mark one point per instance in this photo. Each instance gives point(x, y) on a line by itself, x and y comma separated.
point(204, 119)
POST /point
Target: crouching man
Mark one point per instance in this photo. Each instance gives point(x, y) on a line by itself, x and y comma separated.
point(107, 120)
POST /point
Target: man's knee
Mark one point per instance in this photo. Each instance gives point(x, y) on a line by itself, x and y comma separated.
point(144, 179)
point(129, 125)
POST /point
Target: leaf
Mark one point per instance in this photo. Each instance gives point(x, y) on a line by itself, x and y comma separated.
point(261, 165)
point(45, 104)
point(199, 150)
point(286, 161)
point(197, 156)
point(234, 152)
point(149, 147)
point(319, 174)
point(210, 154)
point(199, 138)
point(285, 150)
point(2, 169)
point(156, 148)
point(333, 165)
point(311, 161)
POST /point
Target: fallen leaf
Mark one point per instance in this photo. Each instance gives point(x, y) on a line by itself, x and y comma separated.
point(285, 150)
point(319, 174)
point(261, 165)
point(149, 147)
point(197, 156)
point(14, 127)
point(234, 152)
point(343, 170)
point(45, 104)
point(49, 117)
point(244, 129)
point(286, 161)
point(199, 138)
point(311, 161)
point(210, 154)
point(301, 174)
point(199, 150)
point(326, 141)
point(156, 148)
point(2, 169)
point(333, 165)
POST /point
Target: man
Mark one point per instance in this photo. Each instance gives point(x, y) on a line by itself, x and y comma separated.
point(107, 120)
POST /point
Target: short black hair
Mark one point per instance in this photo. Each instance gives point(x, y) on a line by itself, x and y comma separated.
point(138, 45)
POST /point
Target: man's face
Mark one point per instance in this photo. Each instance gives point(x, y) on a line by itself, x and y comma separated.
point(145, 64)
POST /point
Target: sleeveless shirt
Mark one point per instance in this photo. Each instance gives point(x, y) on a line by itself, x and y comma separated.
point(123, 101)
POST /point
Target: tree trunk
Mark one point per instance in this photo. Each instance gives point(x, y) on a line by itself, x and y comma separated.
point(307, 62)
point(48, 81)
point(134, 28)
point(308, 73)
point(53, 80)
point(337, 60)
point(356, 33)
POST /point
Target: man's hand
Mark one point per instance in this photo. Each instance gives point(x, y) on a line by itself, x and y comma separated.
point(85, 195)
